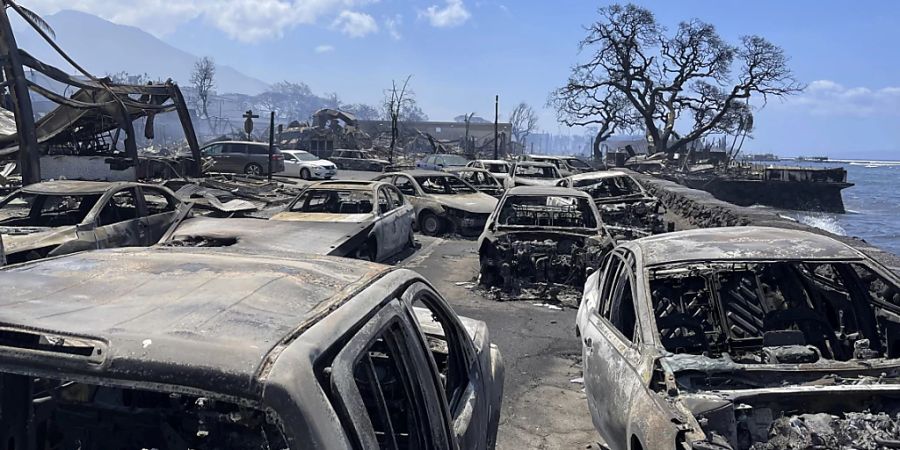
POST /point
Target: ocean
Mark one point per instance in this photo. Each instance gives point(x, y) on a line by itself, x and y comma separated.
point(873, 204)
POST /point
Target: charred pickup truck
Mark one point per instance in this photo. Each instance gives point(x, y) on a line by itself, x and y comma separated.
point(59, 217)
point(184, 348)
point(627, 210)
point(541, 235)
point(743, 338)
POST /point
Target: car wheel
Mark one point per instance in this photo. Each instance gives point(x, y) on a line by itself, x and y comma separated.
point(253, 169)
point(304, 173)
point(431, 224)
point(368, 251)
point(411, 240)
point(488, 275)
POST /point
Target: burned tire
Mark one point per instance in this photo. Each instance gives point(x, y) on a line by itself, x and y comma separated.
point(431, 224)
point(304, 174)
point(488, 275)
point(253, 169)
point(368, 251)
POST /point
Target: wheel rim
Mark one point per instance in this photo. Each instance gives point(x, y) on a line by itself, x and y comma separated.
point(253, 169)
point(304, 174)
point(430, 224)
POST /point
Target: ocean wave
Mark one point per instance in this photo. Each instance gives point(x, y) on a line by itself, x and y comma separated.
point(823, 222)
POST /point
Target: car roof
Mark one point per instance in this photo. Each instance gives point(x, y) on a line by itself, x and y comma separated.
point(199, 318)
point(535, 164)
point(467, 169)
point(425, 173)
point(547, 190)
point(74, 187)
point(238, 142)
point(492, 161)
point(740, 244)
point(598, 175)
point(347, 184)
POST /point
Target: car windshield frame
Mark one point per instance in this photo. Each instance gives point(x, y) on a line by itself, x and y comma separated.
point(592, 186)
point(445, 188)
point(495, 168)
point(334, 204)
point(553, 171)
point(303, 156)
point(565, 207)
point(27, 206)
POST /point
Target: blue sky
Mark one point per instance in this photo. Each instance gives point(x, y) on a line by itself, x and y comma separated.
point(462, 52)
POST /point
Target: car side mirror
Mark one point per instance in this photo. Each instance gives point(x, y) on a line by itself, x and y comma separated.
point(87, 226)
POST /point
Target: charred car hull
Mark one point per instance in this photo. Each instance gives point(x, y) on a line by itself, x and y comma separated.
point(517, 259)
point(636, 218)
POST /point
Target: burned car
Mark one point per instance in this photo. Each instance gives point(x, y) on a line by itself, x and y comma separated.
point(444, 203)
point(530, 173)
point(364, 219)
point(187, 348)
point(483, 180)
point(744, 338)
point(542, 235)
point(357, 160)
point(59, 217)
point(626, 208)
point(497, 167)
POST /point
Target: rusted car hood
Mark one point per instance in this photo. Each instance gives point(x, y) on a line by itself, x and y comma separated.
point(23, 239)
point(478, 203)
point(323, 217)
point(276, 237)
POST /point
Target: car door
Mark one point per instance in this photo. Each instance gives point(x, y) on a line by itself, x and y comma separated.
point(385, 226)
point(406, 216)
point(118, 221)
point(466, 381)
point(292, 165)
point(610, 353)
point(160, 210)
point(386, 388)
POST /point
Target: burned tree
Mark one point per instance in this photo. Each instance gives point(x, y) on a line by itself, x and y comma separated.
point(203, 80)
point(582, 103)
point(691, 77)
point(523, 121)
point(400, 105)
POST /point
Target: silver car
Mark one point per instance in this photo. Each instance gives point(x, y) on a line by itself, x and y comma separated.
point(299, 163)
point(443, 201)
point(742, 338)
point(363, 219)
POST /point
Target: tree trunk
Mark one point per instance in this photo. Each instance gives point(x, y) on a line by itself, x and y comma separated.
point(598, 152)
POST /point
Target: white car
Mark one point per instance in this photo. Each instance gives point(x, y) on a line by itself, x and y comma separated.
point(299, 163)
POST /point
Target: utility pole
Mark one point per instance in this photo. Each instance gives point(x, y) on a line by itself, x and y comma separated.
point(271, 141)
point(29, 154)
point(496, 125)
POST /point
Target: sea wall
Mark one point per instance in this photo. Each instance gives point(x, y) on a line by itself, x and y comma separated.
point(694, 208)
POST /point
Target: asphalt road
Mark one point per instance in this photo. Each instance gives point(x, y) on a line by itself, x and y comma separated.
point(542, 407)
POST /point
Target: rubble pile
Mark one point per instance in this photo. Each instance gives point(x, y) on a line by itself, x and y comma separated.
point(855, 430)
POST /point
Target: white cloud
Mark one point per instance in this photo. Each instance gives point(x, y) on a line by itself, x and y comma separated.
point(826, 97)
point(392, 24)
point(242, 20)
point(451, 15)
point(355, 24)
point(324, 48)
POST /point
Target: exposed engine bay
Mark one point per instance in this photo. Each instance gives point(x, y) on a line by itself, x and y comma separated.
point(517, 260)
point(782, 355)
point(70, 415)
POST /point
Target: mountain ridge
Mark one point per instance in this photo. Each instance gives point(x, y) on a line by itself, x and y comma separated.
point(103, 47)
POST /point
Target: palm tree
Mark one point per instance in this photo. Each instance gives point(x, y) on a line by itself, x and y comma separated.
point(32, 17)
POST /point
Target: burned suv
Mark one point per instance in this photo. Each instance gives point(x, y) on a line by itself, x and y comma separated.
point(744, 338)
point(541, 235)
point(59, 217)
point(628, 211)
point(167, 349)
